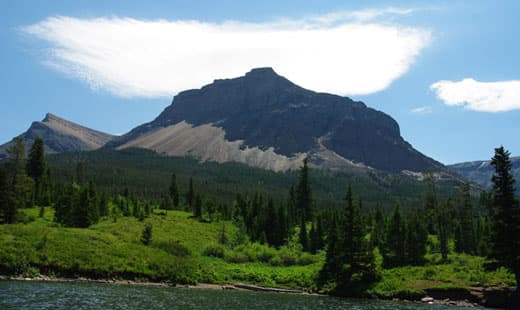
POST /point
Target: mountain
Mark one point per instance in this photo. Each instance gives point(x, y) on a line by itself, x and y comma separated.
point(264, 120)
point(60, 135)
point(480, 172)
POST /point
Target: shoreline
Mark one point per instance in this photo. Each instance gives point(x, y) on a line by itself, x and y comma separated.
point(439, 299)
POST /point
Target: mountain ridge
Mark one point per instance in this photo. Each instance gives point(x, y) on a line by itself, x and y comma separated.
point(265, 112)
point(60, 135)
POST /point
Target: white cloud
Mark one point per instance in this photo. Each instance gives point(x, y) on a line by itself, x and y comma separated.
point(479, 96)
point(142, 58)
point(422, 110)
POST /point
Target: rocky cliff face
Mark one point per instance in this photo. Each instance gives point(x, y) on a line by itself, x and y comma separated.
point(60, 135)
point(263, 117)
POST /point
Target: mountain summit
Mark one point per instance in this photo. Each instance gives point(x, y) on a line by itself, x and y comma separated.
point(264, 120)
point(60, 135)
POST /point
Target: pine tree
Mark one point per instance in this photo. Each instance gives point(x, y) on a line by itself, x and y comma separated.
point(166, 202)
point(19, 186)
point(103, 205)
point(465, 235)
point(190, 195)
point(416, 239)
point(304, 203)
point(332, 266)
point(80, 173)
point(146, 236)
point(378, 229)
point(394, 252)
point(36, 167)
point(174, 191)
point(506, 215)
point(302, 236)
point(271, 223)
point(443, 222)
point(3, 196)
point(282, 226)
point(313, 239)
point(197, 208)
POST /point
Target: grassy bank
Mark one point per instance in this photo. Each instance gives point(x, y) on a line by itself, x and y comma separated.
point(185, 250)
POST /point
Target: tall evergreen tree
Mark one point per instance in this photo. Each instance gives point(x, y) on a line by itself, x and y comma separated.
point(416, 239)
point(174, 191)
point(36, 167)
point(303, 236)
point(443, 222)
point(3, 197)
point(332, 266)
point(190, 195)
point(506, 226)
point(465, 236)
point(304, 202)
point(197, 207)
point(146, 235)
point(394, 252)
point(19, 185)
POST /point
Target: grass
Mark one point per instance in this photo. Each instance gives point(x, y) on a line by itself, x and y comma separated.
point(185, 250)
point(112, 249)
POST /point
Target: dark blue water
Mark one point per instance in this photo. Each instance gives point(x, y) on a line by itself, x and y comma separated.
point(45, 295)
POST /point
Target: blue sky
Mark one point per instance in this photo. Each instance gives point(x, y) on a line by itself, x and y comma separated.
point(447, 71)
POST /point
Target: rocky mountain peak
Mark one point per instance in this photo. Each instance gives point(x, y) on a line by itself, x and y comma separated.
point(263, 115)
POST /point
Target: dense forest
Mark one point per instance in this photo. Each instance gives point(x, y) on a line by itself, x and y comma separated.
point(272, 209)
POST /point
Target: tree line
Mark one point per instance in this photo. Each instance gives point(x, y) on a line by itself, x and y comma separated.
point(349, 235)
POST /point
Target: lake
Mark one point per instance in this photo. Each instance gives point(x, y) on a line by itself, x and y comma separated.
point(53, 295)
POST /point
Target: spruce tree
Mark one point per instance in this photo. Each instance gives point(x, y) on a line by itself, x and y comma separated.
point(36, 167)
point(174, 191)
point(332, 266)
point(443, 222)
point(3, 196)
point(416, 239)
point(465, 236)
point(302, 236)
point(197, 207)
point(304, 203)
point(313, 238)
point(190, 195)
point(506, 215)
point(146, 235)
point(394, 251)
point(19, 187)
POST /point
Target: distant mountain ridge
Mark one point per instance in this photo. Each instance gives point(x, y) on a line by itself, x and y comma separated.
point(60, 135)
point(480, 172)
point(264, 120)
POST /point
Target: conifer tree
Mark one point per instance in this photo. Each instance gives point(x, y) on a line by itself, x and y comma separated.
point(465, 236)
point(3, 196)
point(443, 222)
point(36, 167)
point(146, 236)
point(190, 195)
point(197, 207)
point(304, 203)
point(332, 266)
point(506, 215)
point(394, 249)
point(302, 236)
point(174, 191)
point(19, 187)
point(314, 241)
point(166, 202)
point(416, 239)
point(378, 230)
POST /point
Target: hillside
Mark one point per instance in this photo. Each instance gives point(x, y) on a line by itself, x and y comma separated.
point(60, 135)
point(147, 174)
point(264, 120)
point(480, 172)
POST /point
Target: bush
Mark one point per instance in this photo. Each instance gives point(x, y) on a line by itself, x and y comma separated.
point(214, 250)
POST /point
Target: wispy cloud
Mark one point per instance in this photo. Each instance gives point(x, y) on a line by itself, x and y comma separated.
point(422, 110)
point(347, 53)
point(479, 96)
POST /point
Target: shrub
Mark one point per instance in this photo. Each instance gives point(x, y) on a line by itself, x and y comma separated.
point(214, 250)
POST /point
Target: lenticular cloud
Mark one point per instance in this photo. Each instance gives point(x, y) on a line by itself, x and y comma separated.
point(142, 58)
